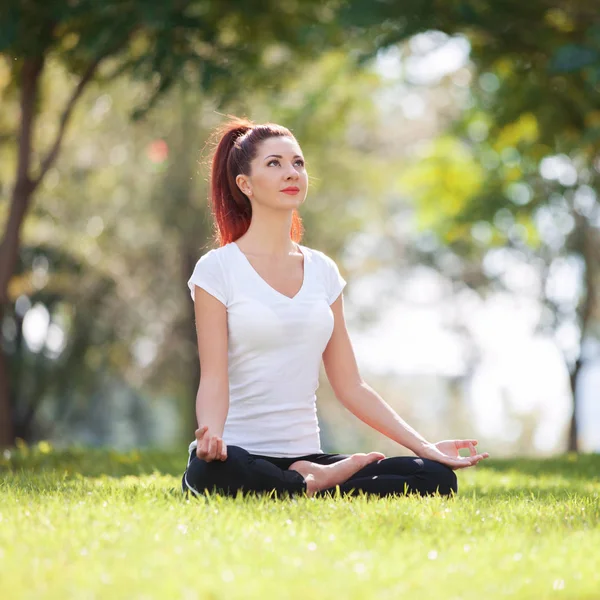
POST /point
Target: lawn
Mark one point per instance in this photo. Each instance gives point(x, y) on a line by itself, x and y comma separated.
point(91, 524)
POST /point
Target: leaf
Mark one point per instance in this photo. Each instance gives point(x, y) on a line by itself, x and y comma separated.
point(573, 57)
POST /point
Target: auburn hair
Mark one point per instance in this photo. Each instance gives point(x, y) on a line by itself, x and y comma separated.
point(236, 144)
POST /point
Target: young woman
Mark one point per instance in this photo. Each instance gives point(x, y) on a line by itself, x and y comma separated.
point(268, 310)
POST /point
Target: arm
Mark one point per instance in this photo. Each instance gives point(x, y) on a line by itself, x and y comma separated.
point(212, 399)
point(360, 399)
point(356, 395)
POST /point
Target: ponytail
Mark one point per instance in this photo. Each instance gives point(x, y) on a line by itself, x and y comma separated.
point(237, 142)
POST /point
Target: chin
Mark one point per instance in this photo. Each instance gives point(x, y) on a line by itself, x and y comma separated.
point(291, 201)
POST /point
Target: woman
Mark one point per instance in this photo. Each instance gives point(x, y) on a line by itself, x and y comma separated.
point(268, 309)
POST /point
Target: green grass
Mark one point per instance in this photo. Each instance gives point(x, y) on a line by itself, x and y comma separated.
point(90, 524)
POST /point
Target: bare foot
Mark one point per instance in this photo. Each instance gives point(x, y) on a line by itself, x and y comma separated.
point(320, 477)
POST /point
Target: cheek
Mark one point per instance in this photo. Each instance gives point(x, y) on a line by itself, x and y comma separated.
point(264, 179)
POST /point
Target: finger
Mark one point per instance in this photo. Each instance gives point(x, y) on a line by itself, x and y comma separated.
point(201, 431)
point(462, 443)
point(224, 451)
point(459, 465)
point(218, 448)
point(210, 452)
point(465, 466)
point(478, 457)
point(468, 461)
point(205, 446)
point(201, 451)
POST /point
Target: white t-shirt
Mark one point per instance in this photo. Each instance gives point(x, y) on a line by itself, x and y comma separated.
point(275, 349)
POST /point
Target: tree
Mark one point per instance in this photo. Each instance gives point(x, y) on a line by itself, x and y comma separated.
point(217, 46)
point(527, 151)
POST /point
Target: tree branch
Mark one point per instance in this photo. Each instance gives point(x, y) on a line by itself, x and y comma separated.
point(64, 119)
point(30, 74)
point(32, 69)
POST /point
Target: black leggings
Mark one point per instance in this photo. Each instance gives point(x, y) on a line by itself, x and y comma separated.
point(246, 472)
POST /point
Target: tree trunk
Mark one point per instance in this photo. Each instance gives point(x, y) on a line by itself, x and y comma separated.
point(587, 310)
point(7, 435)
point(188, 262)
point(20, 200)
point(25, 186)
point(573, 443)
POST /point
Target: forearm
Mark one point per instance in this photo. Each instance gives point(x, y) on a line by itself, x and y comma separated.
point(212, 405)
point(364, 402)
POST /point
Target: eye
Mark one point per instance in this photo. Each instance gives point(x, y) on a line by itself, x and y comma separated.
point(274, 160)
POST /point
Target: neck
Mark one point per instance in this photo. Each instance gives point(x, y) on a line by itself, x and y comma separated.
point(269, 233)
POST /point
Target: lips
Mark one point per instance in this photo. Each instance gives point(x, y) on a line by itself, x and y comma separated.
point(291, 190)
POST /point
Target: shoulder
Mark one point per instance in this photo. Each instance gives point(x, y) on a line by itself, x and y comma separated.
point(213, 263)
point(330, 274)
point(323, 261)
point(210, 273)
point(213, 256)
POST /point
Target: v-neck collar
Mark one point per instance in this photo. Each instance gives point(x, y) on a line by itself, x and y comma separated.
point(256, 274)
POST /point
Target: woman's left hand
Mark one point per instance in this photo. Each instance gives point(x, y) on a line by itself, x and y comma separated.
point(446, 452)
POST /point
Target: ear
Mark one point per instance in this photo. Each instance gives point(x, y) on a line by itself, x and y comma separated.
point(243, 184)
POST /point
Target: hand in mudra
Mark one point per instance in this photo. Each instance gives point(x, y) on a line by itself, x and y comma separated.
point(210, 447)
point(446, 452)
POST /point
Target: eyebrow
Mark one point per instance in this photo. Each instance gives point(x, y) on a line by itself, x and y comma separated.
point(279, 156)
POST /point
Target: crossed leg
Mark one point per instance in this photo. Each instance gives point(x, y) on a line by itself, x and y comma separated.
point(321, 477)
point(247, 473)
point(400, 475)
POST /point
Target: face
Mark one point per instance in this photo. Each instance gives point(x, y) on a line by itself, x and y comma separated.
point(278, 165)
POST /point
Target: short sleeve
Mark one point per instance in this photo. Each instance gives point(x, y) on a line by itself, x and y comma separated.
point(335, 282)
point(208, 274)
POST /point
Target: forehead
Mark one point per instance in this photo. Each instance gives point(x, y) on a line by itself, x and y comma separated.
point(286, 146)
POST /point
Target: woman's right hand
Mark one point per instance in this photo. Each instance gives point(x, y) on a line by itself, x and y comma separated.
point(210, 447)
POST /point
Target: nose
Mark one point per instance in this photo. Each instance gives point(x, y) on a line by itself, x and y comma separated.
point(292, 173)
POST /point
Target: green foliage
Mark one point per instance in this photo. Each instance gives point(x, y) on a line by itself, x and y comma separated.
point(123, 216)
point(212, 45)
point(534, 95)
point(444, 180)
point(210, 54)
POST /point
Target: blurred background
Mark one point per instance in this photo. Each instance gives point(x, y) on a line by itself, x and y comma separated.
point(453, 151)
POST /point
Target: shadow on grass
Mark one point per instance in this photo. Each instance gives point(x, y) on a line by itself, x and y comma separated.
point(532, 493)
point(569, 466)
point(93, 462)
point(42, 468)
